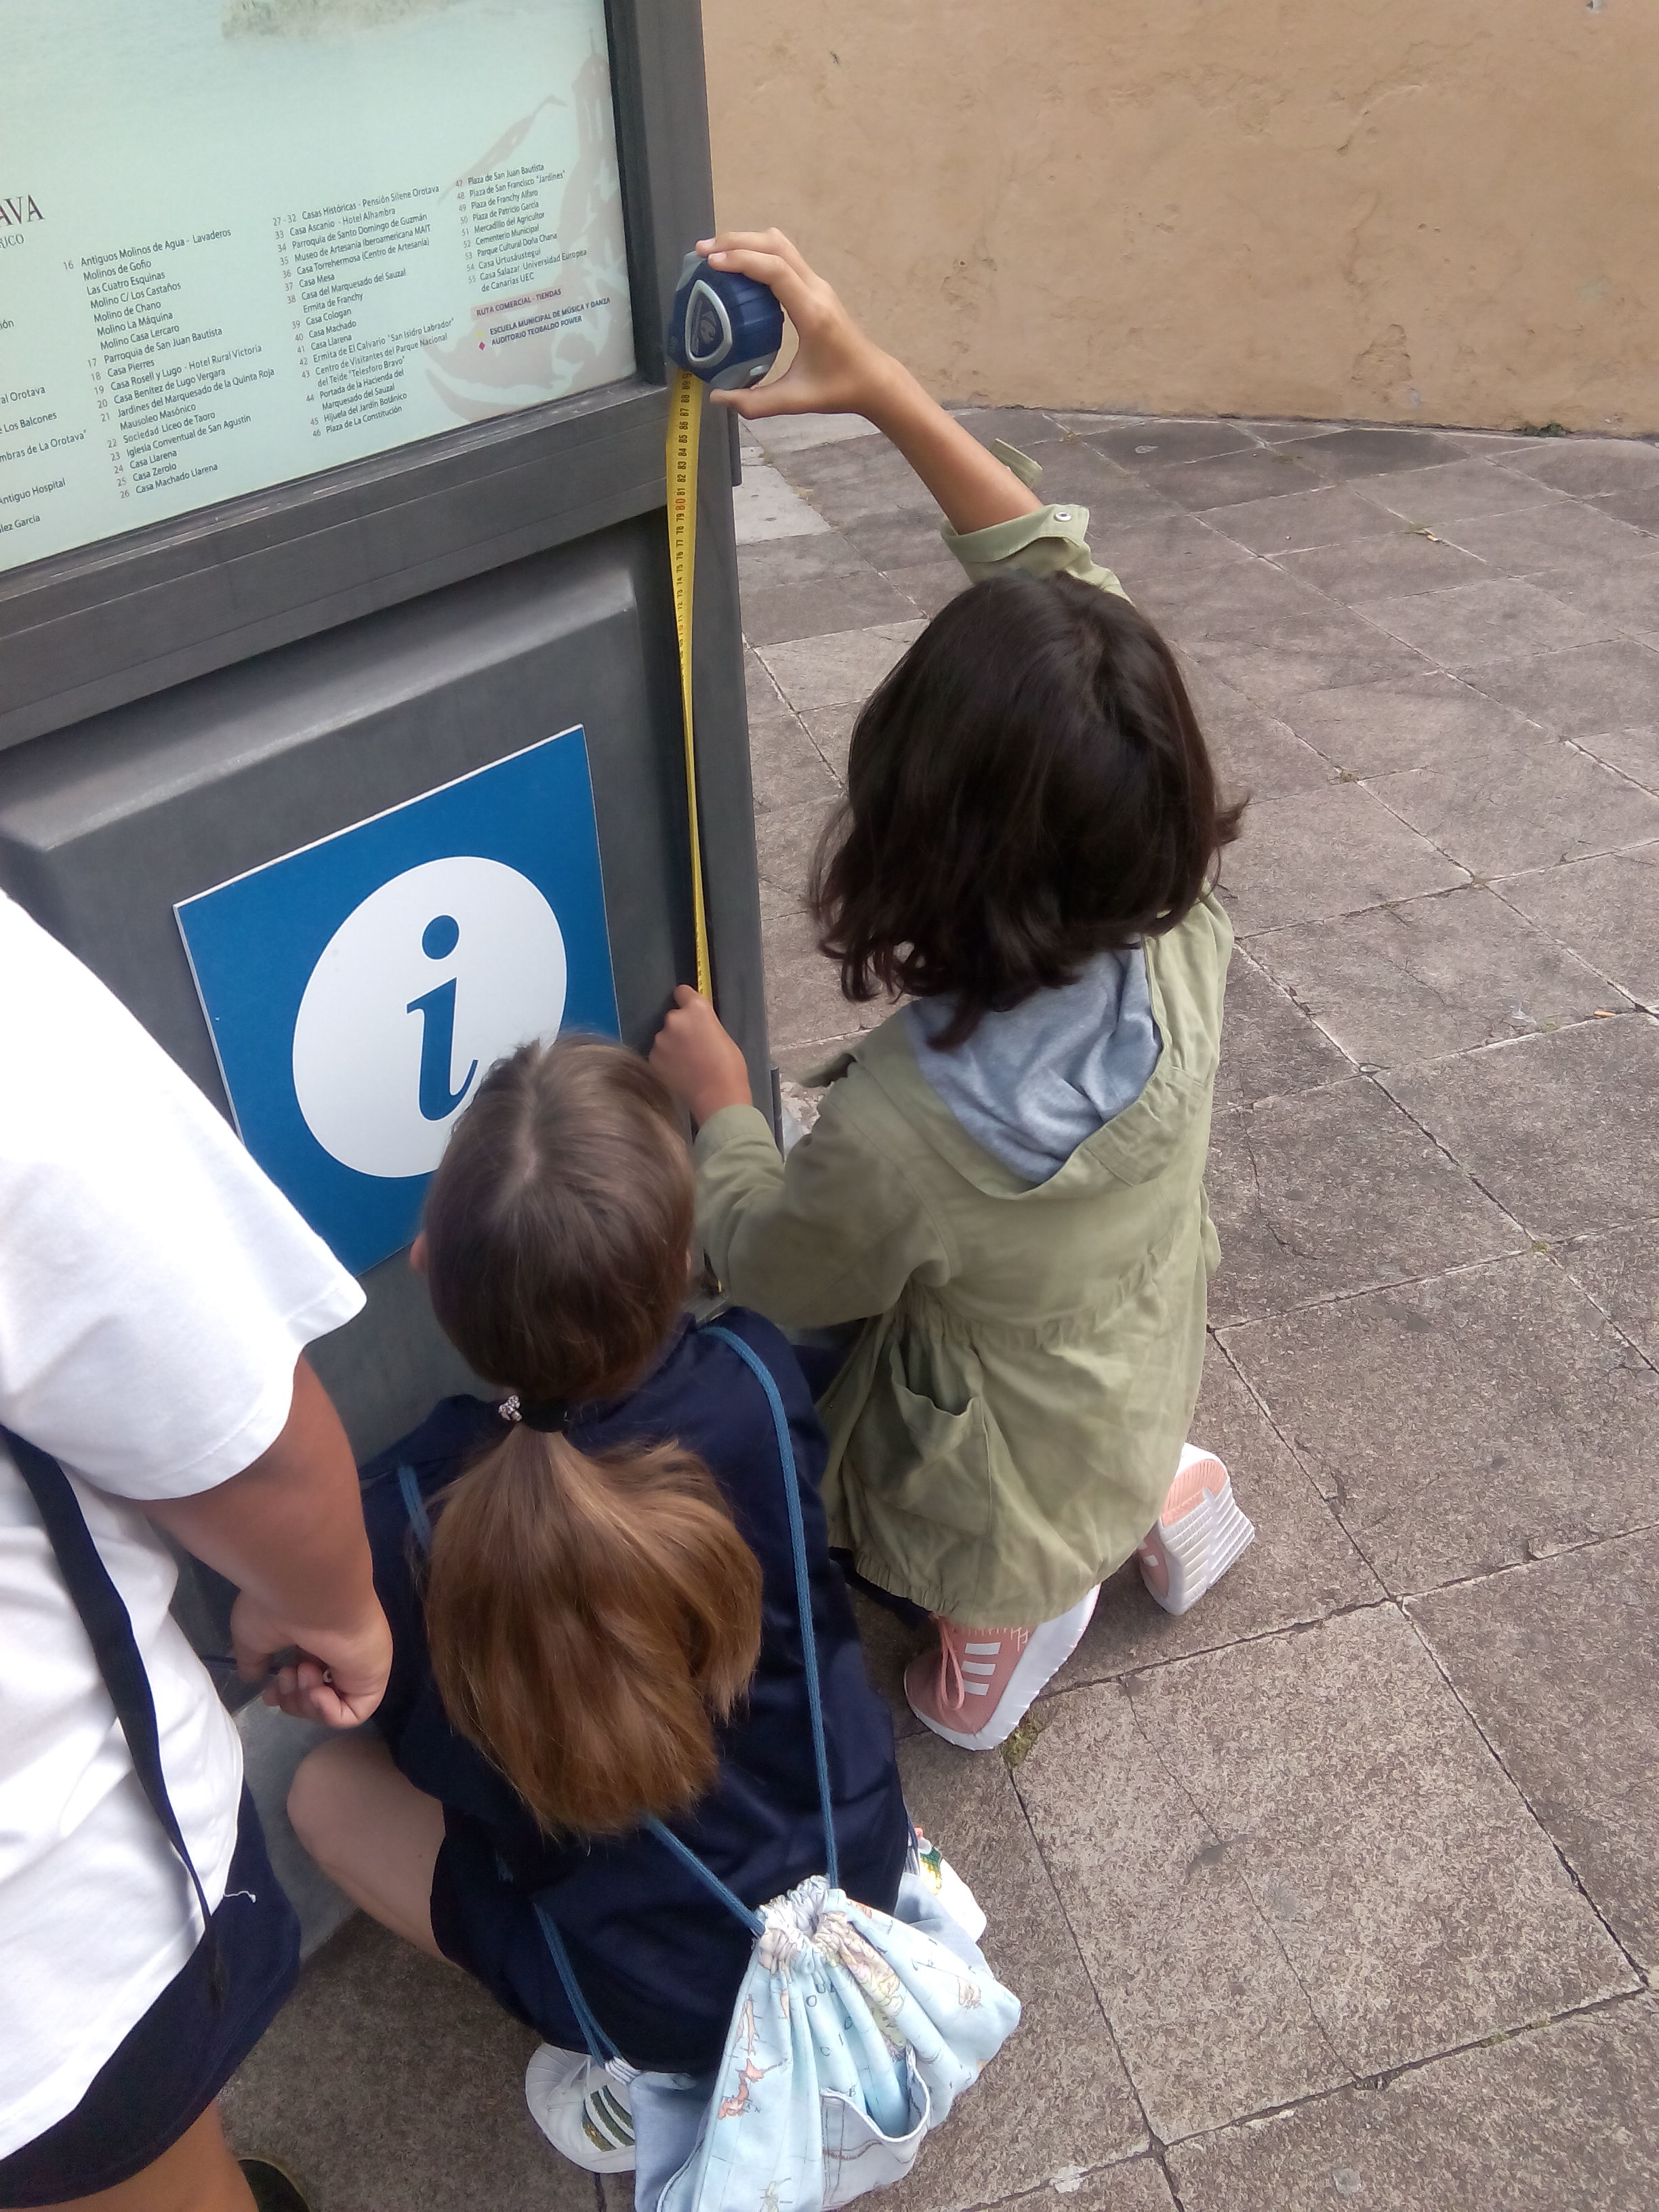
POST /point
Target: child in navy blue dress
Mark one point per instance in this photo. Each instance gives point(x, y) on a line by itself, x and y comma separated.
point(592, 1595)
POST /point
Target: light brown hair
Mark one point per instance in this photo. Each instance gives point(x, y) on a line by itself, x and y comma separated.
point(589, 1616)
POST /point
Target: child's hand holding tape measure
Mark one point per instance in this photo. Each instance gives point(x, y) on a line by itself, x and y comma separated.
point(836, 369)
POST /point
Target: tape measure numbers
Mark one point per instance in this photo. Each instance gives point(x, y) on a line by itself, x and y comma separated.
point(725, 330)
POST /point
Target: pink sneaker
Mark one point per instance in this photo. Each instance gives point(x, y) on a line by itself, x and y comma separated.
point(1197, 1537)
point(978, 1686)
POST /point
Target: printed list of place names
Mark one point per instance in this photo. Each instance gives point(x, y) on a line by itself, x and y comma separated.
point(342, 266)
point(508, 232)
point(167, 377)
point(311, 328)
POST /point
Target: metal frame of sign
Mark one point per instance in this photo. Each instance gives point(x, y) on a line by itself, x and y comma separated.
point(93, 628)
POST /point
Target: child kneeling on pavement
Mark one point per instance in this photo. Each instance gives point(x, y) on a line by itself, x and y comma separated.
point(592, 1589)
point(1005, 1183)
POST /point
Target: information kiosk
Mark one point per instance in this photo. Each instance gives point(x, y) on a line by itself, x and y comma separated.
point(340, 728)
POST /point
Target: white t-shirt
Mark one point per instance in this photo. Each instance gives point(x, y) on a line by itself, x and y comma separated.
point(155, 1290)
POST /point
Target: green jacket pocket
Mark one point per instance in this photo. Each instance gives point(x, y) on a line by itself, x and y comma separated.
point(919, 1458)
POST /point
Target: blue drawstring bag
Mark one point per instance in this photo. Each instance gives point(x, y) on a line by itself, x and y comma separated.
point(854, 2031)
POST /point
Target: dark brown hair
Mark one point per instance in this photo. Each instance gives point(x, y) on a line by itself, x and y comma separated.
point(589, 1616)
point(1027, 789)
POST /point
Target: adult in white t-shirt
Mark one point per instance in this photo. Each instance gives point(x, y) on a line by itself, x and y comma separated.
point(155, 1294)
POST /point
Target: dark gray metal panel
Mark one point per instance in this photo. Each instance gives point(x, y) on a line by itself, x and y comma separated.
point(103, 827)
point(219, 588)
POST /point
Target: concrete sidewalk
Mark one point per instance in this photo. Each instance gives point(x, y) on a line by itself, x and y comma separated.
point(1343, 1887)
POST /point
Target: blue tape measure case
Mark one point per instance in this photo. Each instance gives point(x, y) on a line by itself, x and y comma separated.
point(726, 329)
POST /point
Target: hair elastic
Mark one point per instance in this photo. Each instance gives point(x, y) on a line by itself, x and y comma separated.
point(551, 1416)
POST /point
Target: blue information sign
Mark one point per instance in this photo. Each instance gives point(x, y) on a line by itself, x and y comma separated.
point(359, 989)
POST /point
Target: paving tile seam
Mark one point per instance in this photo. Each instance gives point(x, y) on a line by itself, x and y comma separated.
point(1529, 1564)
point(1423, 898)
point(1532, 1812)
point(1060, 1906)
point(1585, 746)
point(1373, 784)
point(1371, 779)
point(1288, 992)
point(1553, 1258)
point(1076, 2177)
point(1445, 1150)
point(1505, 1567)
point(1636, 1013)
point(1385, 1600)
point(1534, 1248)
point(1378, 1068)
point(1371, 2083)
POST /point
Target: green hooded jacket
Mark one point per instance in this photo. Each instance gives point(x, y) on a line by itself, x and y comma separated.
point(1006, 1430)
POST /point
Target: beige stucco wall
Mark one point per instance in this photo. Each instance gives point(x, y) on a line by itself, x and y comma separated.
point(1428, 210)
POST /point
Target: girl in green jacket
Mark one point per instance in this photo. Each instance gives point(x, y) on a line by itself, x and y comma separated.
point(1005, 1183)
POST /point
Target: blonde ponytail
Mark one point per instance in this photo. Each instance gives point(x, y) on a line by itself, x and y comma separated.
point(588, 1619)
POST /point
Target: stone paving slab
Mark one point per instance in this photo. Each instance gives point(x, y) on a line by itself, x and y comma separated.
point(1536, 804)
point(1333, 849)
point(1425, 978)
point(1559, 2120)
point(1464, 1422)
point(1413, 720)
point(1557, 1663)
point(1313, 1870)
point(1563, 1130)
point(1578, 693)
point(1606, 909)
point(1285, 660)
point(389, 2082)
point(1337, 1191)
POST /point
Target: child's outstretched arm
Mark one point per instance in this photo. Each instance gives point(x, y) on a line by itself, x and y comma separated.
point(839, 371)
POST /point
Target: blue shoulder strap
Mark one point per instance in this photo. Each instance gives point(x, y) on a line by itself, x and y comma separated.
point(415, 1505)
point(108, 1624)
point(762, 1375)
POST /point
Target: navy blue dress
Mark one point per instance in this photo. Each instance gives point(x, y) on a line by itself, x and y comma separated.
point(658, 1958)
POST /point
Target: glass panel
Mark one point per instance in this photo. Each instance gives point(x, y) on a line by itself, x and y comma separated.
point(242, 240)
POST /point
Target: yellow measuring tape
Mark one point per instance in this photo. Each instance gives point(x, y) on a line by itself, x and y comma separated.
point(684, 422)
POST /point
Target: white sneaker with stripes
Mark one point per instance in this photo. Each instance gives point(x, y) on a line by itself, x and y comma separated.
point(582, 2108)
point(1198, 1535)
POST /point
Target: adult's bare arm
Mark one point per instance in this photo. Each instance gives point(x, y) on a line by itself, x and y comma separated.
point(288, 1532)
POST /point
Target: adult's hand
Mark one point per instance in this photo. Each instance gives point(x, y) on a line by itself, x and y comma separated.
point(338, 1677)
point(288, 1532)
